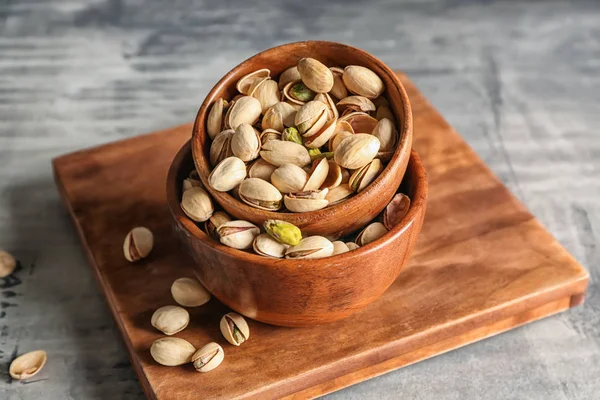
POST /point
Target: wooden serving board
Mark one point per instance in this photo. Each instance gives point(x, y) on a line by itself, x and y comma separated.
point(483, 265)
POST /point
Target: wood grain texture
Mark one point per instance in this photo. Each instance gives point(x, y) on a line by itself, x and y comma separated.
point(483, 264)
point(518, 80)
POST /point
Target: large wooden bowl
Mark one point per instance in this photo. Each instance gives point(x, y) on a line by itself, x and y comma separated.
point(292, 292)
point(359, 209)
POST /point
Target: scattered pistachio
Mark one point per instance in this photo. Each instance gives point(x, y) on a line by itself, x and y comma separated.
point(170, 319)
point(234, 328)
point(138, 244)
point(27, 365)
point(208, 357)
point(8, 263)
point(172, 351)
point(188, 292)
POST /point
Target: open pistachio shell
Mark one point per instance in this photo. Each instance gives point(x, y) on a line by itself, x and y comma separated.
point(339, 247)
point(238, 234)
point(371, 233)
point(269, 134)
point(355, 103)
point(289, 178)
point(279, 116)
point(212, 224)
point(246, 82)
point(189, 292)
point(315, 75)
point(220, 148)
point(245, 110)
point(234, 328)
point(332, 110)
point(311, 117)
point(297, 92)
point(227, 174)
point(208, 357)
point(8, 263)
point(267, 93)
point(245, 143)
point(396, 210)
point(289, 75)
point(265, 245)
point(339, 193)
point(291, 135)
point(170, 319)
point(317, 175)
point(361, 122)
point(322, 136)
point(137, 245)
point(334, 176)
point(306, 201)
point(214, 123)
point(260, 194)
point(310, 247)
point(362, 177)
point(261, 169)
point(278, 153)
point(338, 89)
point(356, 150)
point(27, 365)
point(362, 81)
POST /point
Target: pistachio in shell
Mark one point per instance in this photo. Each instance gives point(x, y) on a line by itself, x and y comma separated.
point(289, 75)
point(283, 231)
point(227, 174)
point(360, 122)
point(311, 117)
point(212, 224)
point(170, 319)
point(338, 90)
point(306, 201)
point(291, 135)
point(245, 143)
point(315, 75)
point(352, 246)
point(267, 93)
point(197, 204)
point(338, 194)
point(362, 81)
point(262, 170)
point(332, 111)
point(246, 83)
point(137, 245)
point(322, 136)
point(208, 357)
point(355, 103)
point(396, 210)
point(384, 111)
point(234, 328)
point(334, 141)
point(310, 247)
point(220, 148)
point(339, 247)
point(356, 151)
point(317, 175)
point(334, 176)
point(188, 292)
point(371, 233)
point(8, 263)
point(387, 134)
point(214, 122)
point(27, 365)
point(189, 183)
point(260, 194)
point(172, 351)
point(289, 178)
point(298, 93)
point(265, 245)
point(363, 176)
point(279, 152)
point(238, 234)
point(245, 110)
point(279, 116)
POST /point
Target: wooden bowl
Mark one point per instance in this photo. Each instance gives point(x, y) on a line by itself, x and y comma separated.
point(298, 292)
point(359, 209)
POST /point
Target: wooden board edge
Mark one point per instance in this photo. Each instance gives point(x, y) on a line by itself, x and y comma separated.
point(453, 343)
point(148, 392)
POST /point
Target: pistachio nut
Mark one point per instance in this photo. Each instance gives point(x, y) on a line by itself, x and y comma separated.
point(267, 93)
point(345, 176)
point(208, 357)
point(8, 263)
point(212, 224)
point(284, 232)
point(27, 365)
point(279, 152)
point(238, 234)
point(356, 151)
point(172, 351)
point(188, 292)
point(352, 246)
point(322, 136)
point(262, 170)
point(269, 134)
point(396, 210)
point(339, 247)
point(220, 148)
point(311, 117)
point(260, 194)
point(334, 176)
point(265, 245)
point(214, 122)
point(334, 141)
point(234, 328)
point(315, 75)
point(332, 111)
point(246, 82)
point(362, 81)
point(317, 175)
point(363, 176)
point(289, 75)
point(245, 110)
point(384, 111)
point(227, 174)
point(189, 183)
point(387, 134)
point(371, 233)
point(361, 122)
point(315, 154)
point(245, 143)
point(291, 135)
point(196, 204)
point(138, 244)
point(355, 103)
point(298, 93)
point(307, 201)
point(289, 178)
point(279, 116)
point(339, 193)
point(170, 319)
point(311, 247)
point(338, 90)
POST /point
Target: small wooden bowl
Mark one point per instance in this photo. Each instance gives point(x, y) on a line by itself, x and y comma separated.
point(298, 292)
point(359, 209)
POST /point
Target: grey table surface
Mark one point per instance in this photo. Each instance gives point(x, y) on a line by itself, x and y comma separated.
point(519, 80)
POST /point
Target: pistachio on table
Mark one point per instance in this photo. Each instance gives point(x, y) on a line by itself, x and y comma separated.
point(234, 328)
point(188, 292)
point(7, 264)
point(283, 231)
point(170, 319)
point(238, 234)
point(27, 365)
point(172, 351)
point(137, 245)
point(208, 357)
point(310, 247)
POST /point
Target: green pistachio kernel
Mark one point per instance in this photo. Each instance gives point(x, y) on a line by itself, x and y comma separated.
point(283, 231)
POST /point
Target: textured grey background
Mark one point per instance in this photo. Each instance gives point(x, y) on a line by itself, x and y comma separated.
point(519, 80)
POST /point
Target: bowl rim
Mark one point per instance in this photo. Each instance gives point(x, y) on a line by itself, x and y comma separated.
point(417, 206)
point(405, 134)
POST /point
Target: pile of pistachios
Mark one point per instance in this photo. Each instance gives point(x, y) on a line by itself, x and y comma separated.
point(278, 238)
point(312, 139)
